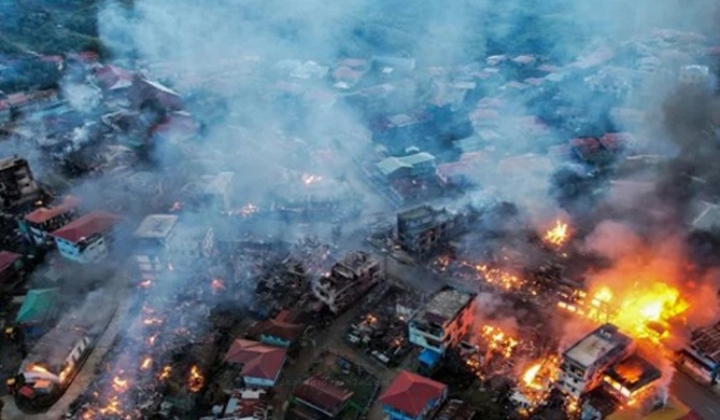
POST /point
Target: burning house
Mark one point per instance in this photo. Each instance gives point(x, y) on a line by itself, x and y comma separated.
point(584, 363)
point(441, 324)
point(634, 381)
point(88, 238)
point(151, 239)
point(17, 184)
point(423, 230)
point(348, 280)
point(38, 224)
point(58, 356)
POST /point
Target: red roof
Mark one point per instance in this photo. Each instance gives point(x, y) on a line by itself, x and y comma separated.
point(347, 74)
point(43, 214)
point(17, 99)
point(616, 141)
point(283, 330)
point(4, 104)
point(257, 359)
point(86, 226)
point(323, 394)
point(7, 259)
point(411, 394)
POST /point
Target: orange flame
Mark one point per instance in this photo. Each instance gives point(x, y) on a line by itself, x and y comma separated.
point(113, 407)
point(39, 369)
point(557, 235)
point(196, 380)
point(119, 384)
point(151, 339)
point(500, 278)
point(498, 340)
point(147, 362)
point(145, 283)
point(165, 373)
point(152, 321)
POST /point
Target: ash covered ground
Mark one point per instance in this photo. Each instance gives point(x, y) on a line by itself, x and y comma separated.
point(308, 210)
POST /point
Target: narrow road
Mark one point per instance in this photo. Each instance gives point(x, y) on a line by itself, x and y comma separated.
point(701, 399)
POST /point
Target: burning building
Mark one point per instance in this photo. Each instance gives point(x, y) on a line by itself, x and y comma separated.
point(349, 279)
point(87, 239)
point(58, 356)
point(17, 184)
point(423, 230)
point(38, 224)
point(442, 323)
point(584, 363)
point(634, 380)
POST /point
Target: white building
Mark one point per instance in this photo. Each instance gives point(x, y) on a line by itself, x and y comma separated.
point(443, 322)
point(584, 363)
point(189, 241)
point(151, 239)
point(217, 191)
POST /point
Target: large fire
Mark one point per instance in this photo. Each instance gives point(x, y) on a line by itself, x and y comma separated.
point(39, 369)
point(535, 383)
point(119, 384)
point(498, 341)
point(499, 278)
point(558, 235)
point(642, 310)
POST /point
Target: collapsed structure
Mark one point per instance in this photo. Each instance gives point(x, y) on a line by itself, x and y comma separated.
point(348, 280)
point(17, 184)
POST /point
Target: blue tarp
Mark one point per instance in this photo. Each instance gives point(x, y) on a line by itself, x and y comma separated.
point(429, 358)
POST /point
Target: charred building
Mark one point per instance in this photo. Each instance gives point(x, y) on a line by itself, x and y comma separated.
point(701, 357)
point(584, 363)
point(17, 184)
point(443, 322)
point(151, 239)
point(348, 280)
point(423, 230)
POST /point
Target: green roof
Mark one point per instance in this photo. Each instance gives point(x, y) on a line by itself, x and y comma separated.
point(390, 165)
point(39, 304)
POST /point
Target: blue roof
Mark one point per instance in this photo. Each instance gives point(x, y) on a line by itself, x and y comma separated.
point(429, 357)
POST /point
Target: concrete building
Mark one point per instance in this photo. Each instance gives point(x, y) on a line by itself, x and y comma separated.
point(87, 239)
point(417, 165)
point(38, 224)
point(423, 230)
point(701, 356)
point(151, 239)
point(348, 280)
point(17, 184)
point(585, 362)
point(412, 397)
point(443, 322)
point(189, 241)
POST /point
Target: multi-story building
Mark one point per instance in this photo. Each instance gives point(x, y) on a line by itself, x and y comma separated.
point(86, 239)
point(348, 280)
point(189, 241)
point(38, 224)
point(424, 229)
point(584, 363)
point(443, 322)
point(701, 356)
point(17, 184)
point(151, 239)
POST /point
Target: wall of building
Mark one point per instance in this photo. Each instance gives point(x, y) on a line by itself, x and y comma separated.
point(94, 251)
point(274, 341)
point(258, 382)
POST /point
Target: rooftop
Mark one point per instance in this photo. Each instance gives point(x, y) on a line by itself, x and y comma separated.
point(706, 342)
point(323, 394)
point(444, 306)
point(392, 164)
point(94, 223)
point(634, 373)
point(43, 214)
point(596, 345)
point(410, 393)
point(156, 226)
point(219, 183)
point(257, 359)
point(7, 259)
